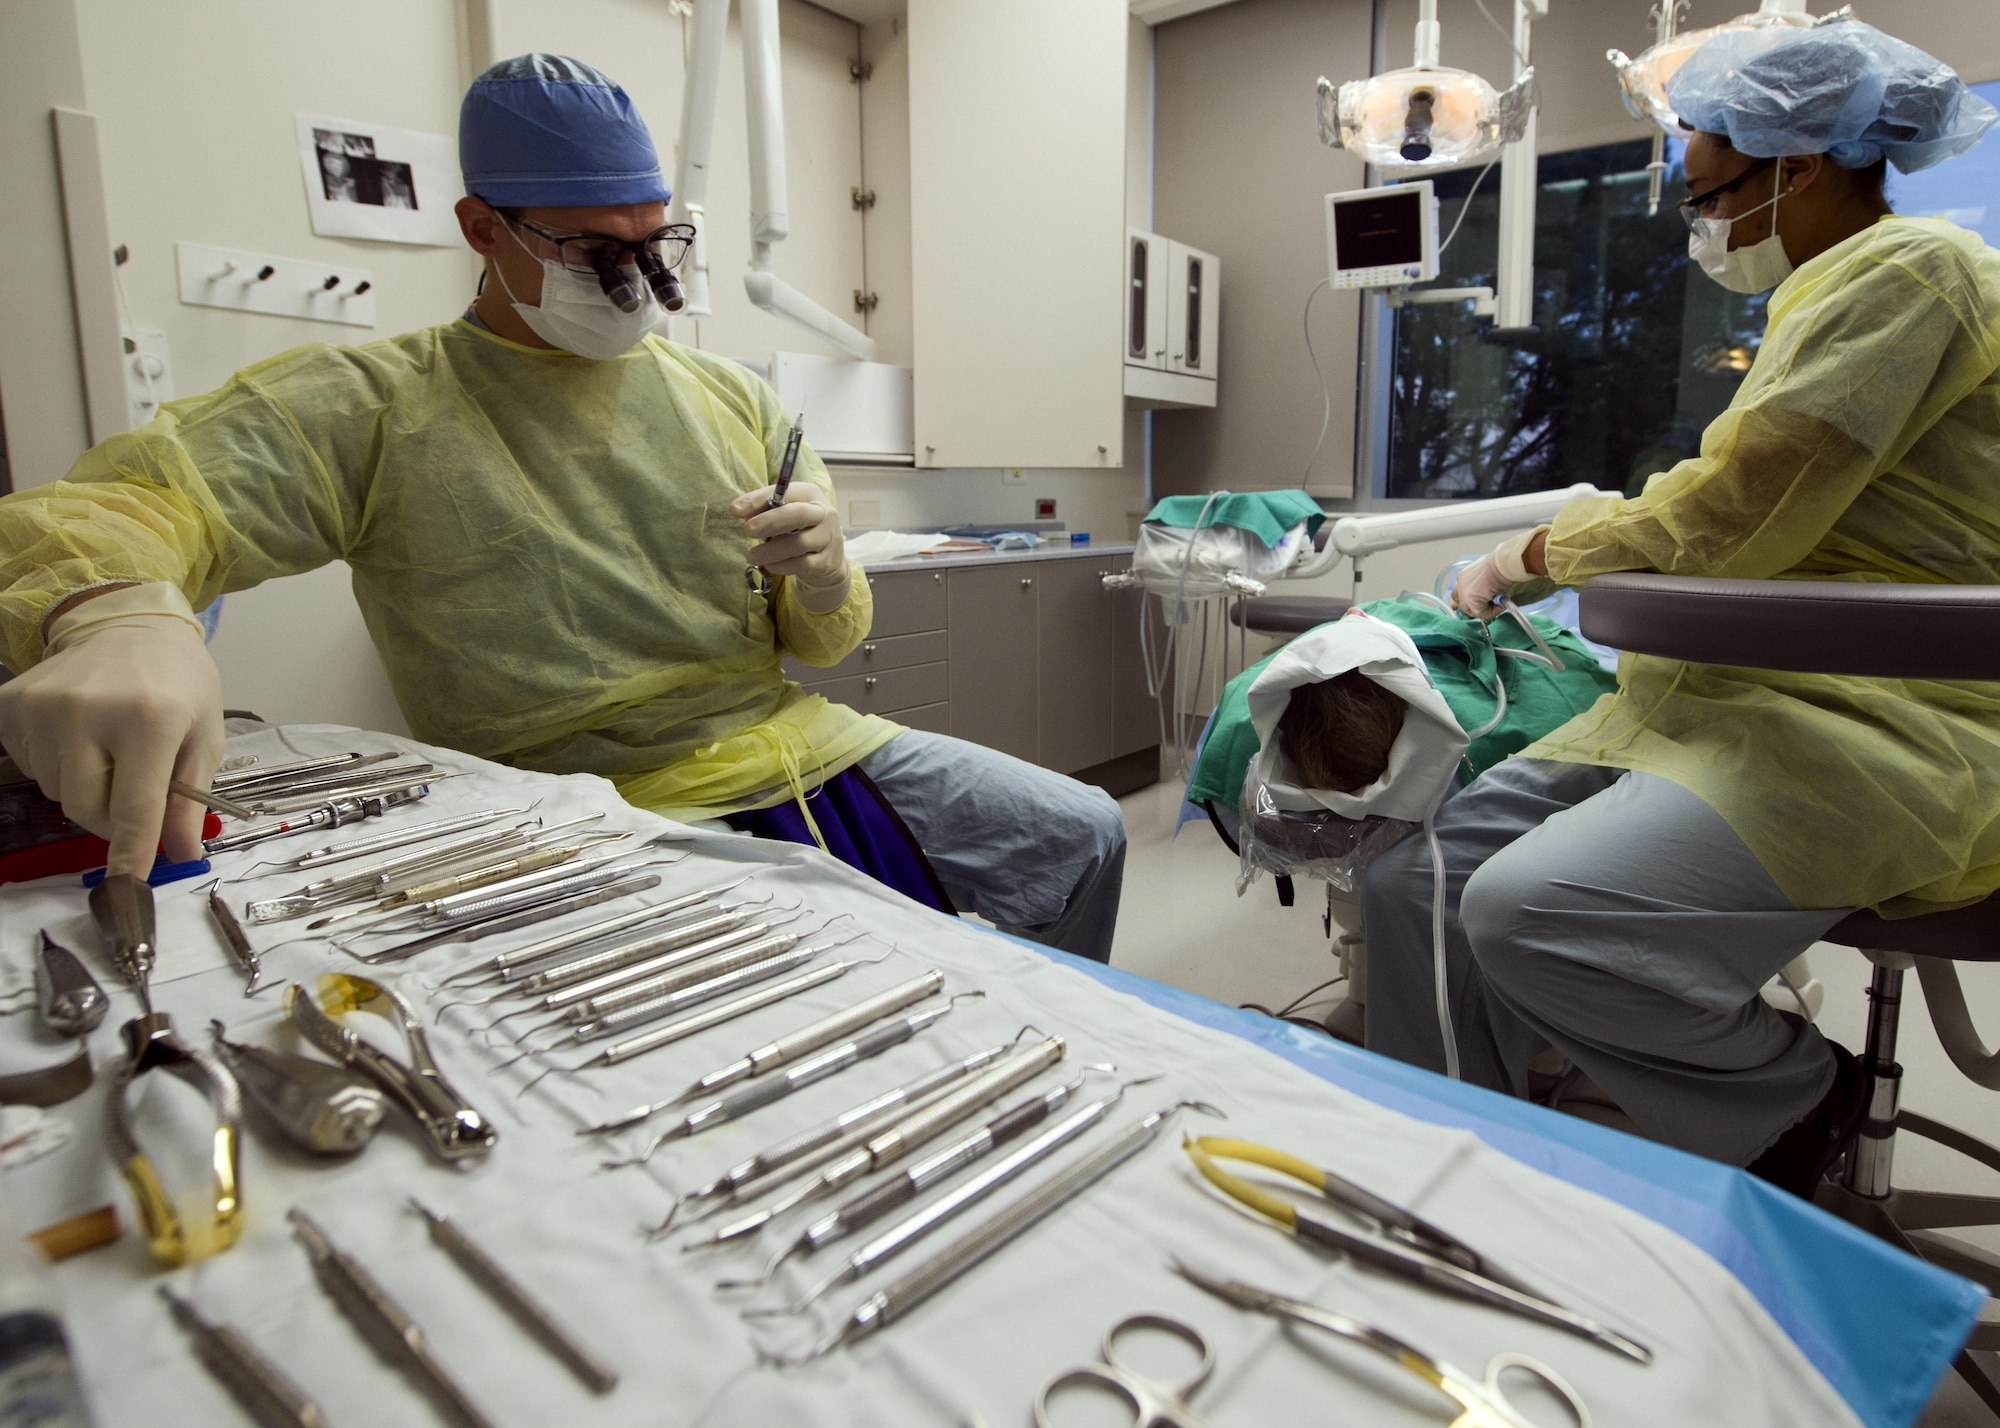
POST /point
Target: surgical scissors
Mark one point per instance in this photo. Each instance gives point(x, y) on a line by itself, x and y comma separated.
point(1156, 1403)
point(1481, 1402)
point(1406, 1248)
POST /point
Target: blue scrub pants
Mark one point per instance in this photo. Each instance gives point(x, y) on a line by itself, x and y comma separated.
point(1617, 918)
point(1033, 852)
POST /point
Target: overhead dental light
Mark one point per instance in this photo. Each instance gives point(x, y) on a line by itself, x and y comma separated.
point(1643, 80)
point(1430, 116)
point(1408, 123)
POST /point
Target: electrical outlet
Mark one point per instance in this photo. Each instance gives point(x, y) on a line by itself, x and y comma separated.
point(1013, 476)
point(864, 513)
point(1045, 508)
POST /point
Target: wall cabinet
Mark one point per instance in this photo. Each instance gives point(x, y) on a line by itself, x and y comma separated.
point(1017, 206)
point(1034, 658)
point(1172, 322)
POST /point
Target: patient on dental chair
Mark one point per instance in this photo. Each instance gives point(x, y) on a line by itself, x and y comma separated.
point(1338, 732)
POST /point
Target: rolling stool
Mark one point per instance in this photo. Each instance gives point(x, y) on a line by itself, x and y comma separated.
point(1891, 632)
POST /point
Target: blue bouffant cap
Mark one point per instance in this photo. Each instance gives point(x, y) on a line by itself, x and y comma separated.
point(546, 131)
point(1841, 88)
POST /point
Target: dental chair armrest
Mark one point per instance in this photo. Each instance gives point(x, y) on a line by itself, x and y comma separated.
point(1814, 627)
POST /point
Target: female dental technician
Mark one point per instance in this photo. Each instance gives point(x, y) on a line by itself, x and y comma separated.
point(1622, 889)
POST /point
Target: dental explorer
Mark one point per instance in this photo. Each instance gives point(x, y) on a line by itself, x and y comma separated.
point(350, 848)
point(734, 1105)
point(900, 1139)
point(811, 1148)
point(502, 967)
point(262, 1389)
point(702, 1020)
point(507, 1292)
point(722, 927)
point(247, 959)
point(786, 1048)
point(509, 922)
point(864, 1209)
point(392, 874)
point(391, 1332)
point(891, 1303)
point(525, 869)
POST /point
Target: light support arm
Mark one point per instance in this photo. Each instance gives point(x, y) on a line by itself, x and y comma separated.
point(707, 30)
point(1358, 537)
point(1518, 182)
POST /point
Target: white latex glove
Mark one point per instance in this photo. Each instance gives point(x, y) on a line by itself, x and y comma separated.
point(1493, 575)
point(801, 539)
point(126, 698)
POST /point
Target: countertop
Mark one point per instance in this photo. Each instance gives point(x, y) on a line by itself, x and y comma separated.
point(999, 557)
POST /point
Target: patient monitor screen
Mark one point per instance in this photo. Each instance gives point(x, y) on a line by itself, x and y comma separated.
point(1379, 232)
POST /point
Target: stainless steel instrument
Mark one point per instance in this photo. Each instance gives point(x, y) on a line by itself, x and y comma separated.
point(237, 939)
point(258, 1385)
point(326, 1110)
point(451, 1127)
point(70, 1001)
point(507, 1292)
point(390, 1331)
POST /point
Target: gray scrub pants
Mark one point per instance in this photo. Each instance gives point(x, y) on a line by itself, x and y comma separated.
point(1617, 918)
point(1033, 852)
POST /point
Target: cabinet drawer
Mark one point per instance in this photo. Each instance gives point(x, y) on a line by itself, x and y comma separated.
point(907, 601)
point(931, 718)
point(889, 691)
point(874, 656)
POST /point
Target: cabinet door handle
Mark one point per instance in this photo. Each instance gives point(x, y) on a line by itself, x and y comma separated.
point(1026, 581)
point(867, 650)
point(869, 682)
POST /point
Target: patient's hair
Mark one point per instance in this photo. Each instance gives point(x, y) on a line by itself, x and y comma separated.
point(1338, 732)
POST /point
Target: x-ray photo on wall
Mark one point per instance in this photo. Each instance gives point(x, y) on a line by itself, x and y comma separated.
point(369, 181)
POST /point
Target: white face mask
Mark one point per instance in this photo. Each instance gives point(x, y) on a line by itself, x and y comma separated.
point(576, 316)
point(1756, 268)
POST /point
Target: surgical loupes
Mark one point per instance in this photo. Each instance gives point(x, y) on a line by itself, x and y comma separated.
point(789, 1047)
point(734, 1105)
point(909, 1134)
point(67, 997)
point(390, 1331)
point(904, 1188)
point(451, 1127)
point(321, 1109)
point(122, 908)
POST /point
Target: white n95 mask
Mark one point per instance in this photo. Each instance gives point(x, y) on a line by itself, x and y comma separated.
point(1754, 269)
point(576, 316)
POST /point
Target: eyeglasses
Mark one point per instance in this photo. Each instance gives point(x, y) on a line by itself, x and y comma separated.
point(1702, 205)
point(593, 252)
point(605, 258)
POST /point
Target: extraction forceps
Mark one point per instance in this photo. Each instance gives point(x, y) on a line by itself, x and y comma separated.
point(734, 1105)
point(788, 1047)
point(507, 1292)
point(892, 1194)
point(1405, 1249)
point(1480, 1403)
point(317, 1108)
point(451, 1127)
point(909, 1134)
point(892, 1302)
point(390, 1331)
point(122, 908)
point(263, 1390)
point(805, 1151)
point(67, 997)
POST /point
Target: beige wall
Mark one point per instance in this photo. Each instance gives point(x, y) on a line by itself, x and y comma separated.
point(41, 384)
point(1239, 170)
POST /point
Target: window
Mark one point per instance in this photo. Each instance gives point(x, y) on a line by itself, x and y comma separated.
point(1636, 352)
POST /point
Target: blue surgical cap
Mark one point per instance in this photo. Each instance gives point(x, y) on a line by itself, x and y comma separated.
point(1842, 88)
point(546, 131)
